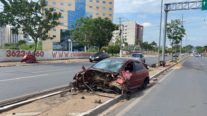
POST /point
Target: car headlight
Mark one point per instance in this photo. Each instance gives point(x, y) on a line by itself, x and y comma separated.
point(97, 57)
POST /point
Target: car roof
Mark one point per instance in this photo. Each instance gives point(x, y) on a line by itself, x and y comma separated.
point(136, 53)
point(123, 59)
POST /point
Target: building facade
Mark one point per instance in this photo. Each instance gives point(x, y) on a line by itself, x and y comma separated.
point(72, 10)
point(132, 33)
point(7, 36)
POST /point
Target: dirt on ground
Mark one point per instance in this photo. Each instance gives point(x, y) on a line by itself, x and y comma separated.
point(69, 105)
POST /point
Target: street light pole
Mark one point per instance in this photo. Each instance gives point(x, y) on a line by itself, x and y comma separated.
point(165, 34)
point(160, 34)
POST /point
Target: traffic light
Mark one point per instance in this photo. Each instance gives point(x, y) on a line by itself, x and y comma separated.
point(204, 4)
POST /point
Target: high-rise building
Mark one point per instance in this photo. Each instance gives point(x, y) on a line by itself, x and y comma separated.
point(132, 33)
point(8, 36)
point(71, 11)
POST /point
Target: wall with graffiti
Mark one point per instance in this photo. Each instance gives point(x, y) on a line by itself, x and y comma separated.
point(16, 55)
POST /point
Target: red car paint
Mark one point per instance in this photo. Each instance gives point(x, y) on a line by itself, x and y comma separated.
point(131, 74)
point(29, 59)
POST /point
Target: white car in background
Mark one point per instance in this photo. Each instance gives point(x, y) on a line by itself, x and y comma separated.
point(138, 56)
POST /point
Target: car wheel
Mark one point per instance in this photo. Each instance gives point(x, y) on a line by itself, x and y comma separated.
point(144, 85)
point(90, 61)
point(143, 61)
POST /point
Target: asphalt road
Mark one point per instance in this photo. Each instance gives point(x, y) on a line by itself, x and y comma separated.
point(21, 80)
point(182, 92)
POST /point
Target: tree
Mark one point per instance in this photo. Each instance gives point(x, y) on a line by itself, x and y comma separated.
point(205, 48)
point(21, 42)
point(153, 45)
point(146, 46)
point(175, 32)
point(95, 32)
point(200, 49)
point(33, 18)
point(188, 48)
point(82, 33)
point(114, 48)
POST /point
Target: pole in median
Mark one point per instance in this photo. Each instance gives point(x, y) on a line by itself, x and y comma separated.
point(164, 35)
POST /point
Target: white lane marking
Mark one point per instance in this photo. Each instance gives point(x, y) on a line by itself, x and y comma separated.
point(51, 71)
point(147, 92)
point(19, 78)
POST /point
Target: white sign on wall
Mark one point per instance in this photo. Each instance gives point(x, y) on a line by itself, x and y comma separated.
point(16, 55)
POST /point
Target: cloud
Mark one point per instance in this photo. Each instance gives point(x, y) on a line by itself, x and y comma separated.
point(147, 24)
point(141, 6)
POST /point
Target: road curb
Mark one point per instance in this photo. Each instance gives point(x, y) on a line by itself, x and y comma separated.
point(102, 107)
point(43, 62)
point(21, 100)
point(99, 109)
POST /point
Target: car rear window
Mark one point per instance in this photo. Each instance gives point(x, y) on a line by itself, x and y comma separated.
point(137, 55)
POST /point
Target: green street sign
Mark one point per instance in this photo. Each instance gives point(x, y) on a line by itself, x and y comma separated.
point(204, 4)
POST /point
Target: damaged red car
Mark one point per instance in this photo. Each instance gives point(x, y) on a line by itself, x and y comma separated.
point(118, 75)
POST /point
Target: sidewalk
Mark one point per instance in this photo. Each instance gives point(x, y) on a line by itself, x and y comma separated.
point(9, 64)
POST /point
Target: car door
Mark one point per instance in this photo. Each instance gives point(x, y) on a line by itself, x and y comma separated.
point(129, 67)
point(139, 74)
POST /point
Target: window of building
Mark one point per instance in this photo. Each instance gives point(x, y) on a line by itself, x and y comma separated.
point(104, 8)
point(69, 4)
point(90, 6)
point(97, 7)
point(61, 3)
point(61, 10)
point(110, 2)
point(104, 14)
point(110, 14)
point(91, 0)
point(62, 24)
point(110, 8)
point(97, 14)
point(104, 2)
point(54, 3)
point(97, 1)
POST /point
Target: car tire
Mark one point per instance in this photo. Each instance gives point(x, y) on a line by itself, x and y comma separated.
point(144, 61)
point(145, 83)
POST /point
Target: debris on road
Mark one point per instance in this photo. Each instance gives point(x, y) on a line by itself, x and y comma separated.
point(60, 106)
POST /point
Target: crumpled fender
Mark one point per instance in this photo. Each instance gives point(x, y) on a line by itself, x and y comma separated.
point(126, 75)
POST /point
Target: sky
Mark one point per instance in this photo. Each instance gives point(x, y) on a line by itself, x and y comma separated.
point(147, 13)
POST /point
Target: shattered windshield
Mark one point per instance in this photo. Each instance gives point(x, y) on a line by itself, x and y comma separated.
point(109, 65)
point(137, 55)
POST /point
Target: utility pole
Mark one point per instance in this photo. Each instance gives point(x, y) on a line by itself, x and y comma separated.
point(165, 34)
point(181, 39)
point(120, 34)
point(160, 34)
